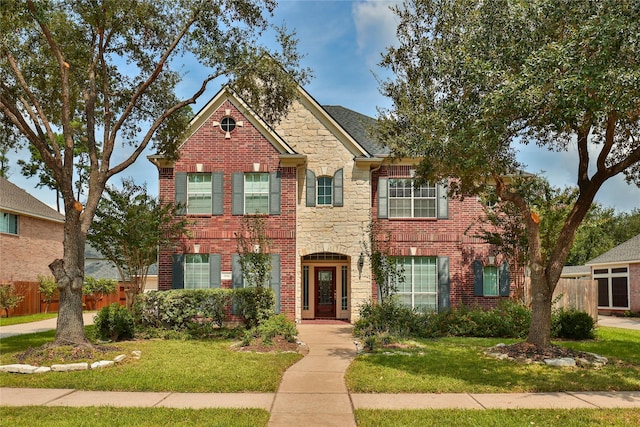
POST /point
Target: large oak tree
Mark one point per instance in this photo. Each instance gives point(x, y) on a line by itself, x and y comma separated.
point(104, 74)
point(473, 79)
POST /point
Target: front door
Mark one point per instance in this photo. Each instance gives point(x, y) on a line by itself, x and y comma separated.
point(325, 292)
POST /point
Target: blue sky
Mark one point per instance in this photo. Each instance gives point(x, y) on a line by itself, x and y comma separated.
point(342, 42)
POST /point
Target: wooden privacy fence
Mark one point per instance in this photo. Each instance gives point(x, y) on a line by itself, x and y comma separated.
point(33, 302)
point(581, 294)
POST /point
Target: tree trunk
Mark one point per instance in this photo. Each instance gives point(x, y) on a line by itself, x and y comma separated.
point(69, 274)
point(541, 295)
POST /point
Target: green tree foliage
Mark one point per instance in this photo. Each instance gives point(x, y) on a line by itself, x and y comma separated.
point(9, 297)
point(387, 271)
point(104, 75)
point(48, 288)
point(474, 78)
point(128, 228)
point(253, 247)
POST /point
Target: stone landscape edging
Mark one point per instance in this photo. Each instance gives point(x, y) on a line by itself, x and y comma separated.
point(19, 368)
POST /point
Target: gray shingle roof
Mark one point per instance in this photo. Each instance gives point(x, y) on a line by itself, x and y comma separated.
point(628, 251)
point(14, 199)
point(575, 271)
point(358, 126)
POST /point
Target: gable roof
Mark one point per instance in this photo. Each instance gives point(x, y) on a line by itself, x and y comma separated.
point(228, 94)
point(358, 126)
point(15, 200)
point(628, 251)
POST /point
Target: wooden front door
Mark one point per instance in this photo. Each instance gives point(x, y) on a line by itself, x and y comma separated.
point(325, 292)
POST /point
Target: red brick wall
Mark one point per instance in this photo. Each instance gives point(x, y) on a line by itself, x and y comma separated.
point(216, 234)
point(440, 237)
point(29, 253)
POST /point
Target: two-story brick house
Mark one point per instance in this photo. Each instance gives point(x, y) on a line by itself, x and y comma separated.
point(319, 180)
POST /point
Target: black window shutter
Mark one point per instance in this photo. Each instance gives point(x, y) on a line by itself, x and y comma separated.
point(338, 196)
point(444, 284)
point(443, 200)
point(274, 283)
point(275, 179)
point(181, 192)
point(217, 190)
point(383, 198)
point(237, 182)
point(215, 270)
point(504, 279)
point(177, 270)
point(311, 188)
point(478, 278)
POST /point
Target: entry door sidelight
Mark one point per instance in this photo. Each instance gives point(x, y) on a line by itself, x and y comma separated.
point(325, 292)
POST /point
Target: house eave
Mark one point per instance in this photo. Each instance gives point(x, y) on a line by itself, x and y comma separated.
point(292, 160)
point(160, 162)
point(368, 162)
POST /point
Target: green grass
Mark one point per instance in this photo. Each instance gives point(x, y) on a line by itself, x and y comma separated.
point(166, 365)
point(499, 418)
point(458, 365)
point(132, 417)
point(16, 320)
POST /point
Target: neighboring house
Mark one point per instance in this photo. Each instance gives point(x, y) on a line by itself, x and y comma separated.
point(97, 266)
point(617, 273)
point(318, 180)
point(31, 235)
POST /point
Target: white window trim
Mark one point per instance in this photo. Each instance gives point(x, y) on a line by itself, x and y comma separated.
point(187, 285)
point(246, 193)
point(484, 281)
point(318, 204)
point(412, 198)
point(200, 193)
point(609, 275)
point(413, 292)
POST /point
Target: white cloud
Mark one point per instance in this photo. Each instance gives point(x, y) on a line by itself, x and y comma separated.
point(375, 26)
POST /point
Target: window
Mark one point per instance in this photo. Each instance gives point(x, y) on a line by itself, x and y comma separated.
point(256, 193)
point(196, 271)
point(8, 223)
point(227, 124)
point(325, 190)
point(420, 286)
point(199, 193)
point(408, 201)
point(490, 281)
point(613, 287)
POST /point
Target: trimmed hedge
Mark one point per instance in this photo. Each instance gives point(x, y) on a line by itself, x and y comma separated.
point(114, 323)
point(178, 309)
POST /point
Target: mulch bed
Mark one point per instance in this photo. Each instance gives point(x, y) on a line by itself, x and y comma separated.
point(278, 345)
point(535, 353)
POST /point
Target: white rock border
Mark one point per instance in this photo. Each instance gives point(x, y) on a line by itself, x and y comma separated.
point(18, 368)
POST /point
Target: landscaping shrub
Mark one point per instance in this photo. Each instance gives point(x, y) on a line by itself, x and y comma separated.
point(180, 309)
point(575, 325)
point(254, 305)
point(277, 325)
point(114, 323)
point(382, 323)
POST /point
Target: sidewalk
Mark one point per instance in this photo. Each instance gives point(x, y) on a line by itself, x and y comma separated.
point(40, 326)
point(313, 391)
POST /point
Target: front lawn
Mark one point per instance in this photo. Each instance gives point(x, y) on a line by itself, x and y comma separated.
point(500, 418)
point(458, 365)
point(166, 365)
point(132, 417)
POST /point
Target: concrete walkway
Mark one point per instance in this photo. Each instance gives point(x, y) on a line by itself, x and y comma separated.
point(39, 326)
point(313, 392)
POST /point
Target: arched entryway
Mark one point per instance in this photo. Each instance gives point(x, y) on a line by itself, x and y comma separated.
point(326, 286)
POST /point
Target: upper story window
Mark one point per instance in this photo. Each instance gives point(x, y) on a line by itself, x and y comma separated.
point(325, 190)
point(199, 193)
point(407, 200)
point(8, 223)
point(227, 124)
point(256, 193)
point(401, 198)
